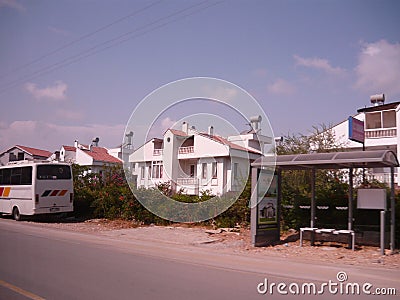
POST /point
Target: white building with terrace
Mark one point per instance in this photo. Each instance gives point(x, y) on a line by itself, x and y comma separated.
point(381, 127)
point(193, 161)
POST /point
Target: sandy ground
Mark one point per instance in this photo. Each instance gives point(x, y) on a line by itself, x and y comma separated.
point(230, 241)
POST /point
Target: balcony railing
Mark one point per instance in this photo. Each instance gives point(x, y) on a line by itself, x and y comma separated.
point(157, 152)
point(186, 150)
point(380, 133)
point(187, 181)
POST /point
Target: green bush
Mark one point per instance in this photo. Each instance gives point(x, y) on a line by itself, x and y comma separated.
point(86, 187)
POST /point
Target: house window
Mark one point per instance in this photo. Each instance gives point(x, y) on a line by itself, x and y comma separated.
point(373, 120)
point(157, 169)
point(149, 172)
point(142, 170)
point(12, 157)
point(192, 170)
point(204, 171)
point(389, 118)
point(214, 170)
point(381, 119)
point(235, 171)
point(20, 155)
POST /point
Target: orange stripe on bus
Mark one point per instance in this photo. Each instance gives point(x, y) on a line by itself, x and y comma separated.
point(6, 191)
point(62, 193)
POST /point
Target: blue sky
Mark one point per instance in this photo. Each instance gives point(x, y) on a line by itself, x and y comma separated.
point(306, 62)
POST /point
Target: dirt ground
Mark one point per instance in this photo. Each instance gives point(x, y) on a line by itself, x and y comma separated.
point(231, 240)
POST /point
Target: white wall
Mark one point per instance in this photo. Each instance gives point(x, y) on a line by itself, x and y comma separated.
point(205, 147)
point(341, 132)
point(170, 154)
point(144, 153)
point(83, 159)
point(67, 156)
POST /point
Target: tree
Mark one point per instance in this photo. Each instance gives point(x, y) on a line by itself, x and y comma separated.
point(331, 186)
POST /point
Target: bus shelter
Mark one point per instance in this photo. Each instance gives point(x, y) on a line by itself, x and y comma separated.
point(312, 162)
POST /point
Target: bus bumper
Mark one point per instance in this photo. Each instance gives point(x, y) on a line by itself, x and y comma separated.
point(52, 210)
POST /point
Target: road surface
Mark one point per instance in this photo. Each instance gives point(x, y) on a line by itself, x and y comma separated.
point(43, 263)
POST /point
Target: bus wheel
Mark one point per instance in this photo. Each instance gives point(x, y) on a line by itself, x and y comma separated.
point(16, 215)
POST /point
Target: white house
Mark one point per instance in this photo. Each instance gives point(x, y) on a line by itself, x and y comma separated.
point(381, 127)
point(125, 149)
point(93, 156)
point(19, 152)
point(195, 161)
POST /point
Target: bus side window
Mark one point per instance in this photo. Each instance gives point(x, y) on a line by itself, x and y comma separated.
point(16, 176)
point(6, 176)
point(26, 176)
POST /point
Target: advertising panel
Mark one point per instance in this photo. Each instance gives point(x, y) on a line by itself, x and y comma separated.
point(356, 130)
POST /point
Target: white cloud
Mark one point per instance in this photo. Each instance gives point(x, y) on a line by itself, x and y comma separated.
point(55, 92)
point(378, 68)
point(159, 127)
point(318, 63)
point(59, 31)
point(12, 4)
point(262, 73)
point(281, 87)
point(69, 114)
point(51, 136)
point(167, 123)
point(224, 94)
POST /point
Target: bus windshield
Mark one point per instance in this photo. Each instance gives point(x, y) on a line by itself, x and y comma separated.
point(53, 172)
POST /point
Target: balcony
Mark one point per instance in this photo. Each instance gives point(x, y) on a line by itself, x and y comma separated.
point(157, 152)
point(186, 150)
point(380, 133)
point(187, 181)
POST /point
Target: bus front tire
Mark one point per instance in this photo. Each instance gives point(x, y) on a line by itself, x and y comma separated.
point(16, 215)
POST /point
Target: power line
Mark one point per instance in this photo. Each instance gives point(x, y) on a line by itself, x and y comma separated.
point(112, 43)
point(85, 36)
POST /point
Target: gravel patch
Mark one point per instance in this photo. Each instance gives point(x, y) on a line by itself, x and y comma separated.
point(229, 241)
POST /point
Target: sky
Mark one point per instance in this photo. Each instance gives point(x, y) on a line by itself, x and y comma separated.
point(75, 70)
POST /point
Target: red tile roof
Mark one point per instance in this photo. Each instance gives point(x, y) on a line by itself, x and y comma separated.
point(69, 148)
point(35, 151)
point(101, 154)
point(178, 132)
point(229, 143)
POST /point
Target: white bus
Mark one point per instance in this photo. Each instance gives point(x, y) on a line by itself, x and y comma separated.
point(35, 187)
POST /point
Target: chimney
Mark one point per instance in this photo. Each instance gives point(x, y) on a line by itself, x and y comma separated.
point(185, 127)
point(76, 143)
point(255, 123)
point(57, 155)
point(210, 130)
point(378, 99)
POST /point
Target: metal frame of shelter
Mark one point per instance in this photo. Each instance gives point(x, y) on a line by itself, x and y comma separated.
point(338, 160)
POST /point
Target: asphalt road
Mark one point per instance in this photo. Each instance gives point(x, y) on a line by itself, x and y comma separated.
point(41, 263)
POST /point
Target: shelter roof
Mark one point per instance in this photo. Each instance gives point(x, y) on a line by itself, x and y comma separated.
point(332, 160)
